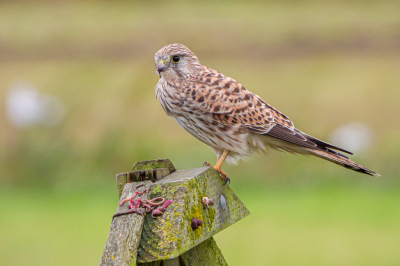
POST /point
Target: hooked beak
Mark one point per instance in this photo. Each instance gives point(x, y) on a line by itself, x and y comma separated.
point(162, 65)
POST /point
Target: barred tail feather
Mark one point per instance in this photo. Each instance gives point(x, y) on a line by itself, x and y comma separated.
point(342, 160)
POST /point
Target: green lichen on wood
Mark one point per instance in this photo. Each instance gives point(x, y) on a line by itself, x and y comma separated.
point(122, 179)
point(154, 164)
point(171, 234)
point(204, 254)
point(156, 191)
point(166, 226)
point(211, 215)
point(125, 232)
point(153, 263)
point(195, 212)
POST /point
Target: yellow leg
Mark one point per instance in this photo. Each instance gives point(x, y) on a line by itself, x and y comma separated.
point(221, 160)
point(218, 165)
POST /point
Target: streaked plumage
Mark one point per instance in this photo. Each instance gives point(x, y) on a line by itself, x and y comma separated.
point(220, 112)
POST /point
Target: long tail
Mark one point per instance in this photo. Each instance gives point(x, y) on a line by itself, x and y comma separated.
point(342, 160)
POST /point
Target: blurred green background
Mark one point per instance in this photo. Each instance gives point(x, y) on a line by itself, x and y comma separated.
point(323, 63)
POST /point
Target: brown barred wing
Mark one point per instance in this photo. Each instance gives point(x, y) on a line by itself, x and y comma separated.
point(229, 103)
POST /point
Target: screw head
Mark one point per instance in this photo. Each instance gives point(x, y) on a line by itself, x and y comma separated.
point(223, 202)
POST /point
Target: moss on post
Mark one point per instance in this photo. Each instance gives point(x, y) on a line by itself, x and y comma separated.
point(204, 254)
point(172, 237)
point(171, 234)
point(154, 164)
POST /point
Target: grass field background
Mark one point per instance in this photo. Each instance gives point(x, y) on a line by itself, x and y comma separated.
point(324, 64)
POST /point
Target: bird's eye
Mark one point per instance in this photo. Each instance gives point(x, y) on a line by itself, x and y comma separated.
point(176, 59)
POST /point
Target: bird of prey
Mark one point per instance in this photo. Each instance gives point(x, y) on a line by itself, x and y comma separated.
point(234, 122)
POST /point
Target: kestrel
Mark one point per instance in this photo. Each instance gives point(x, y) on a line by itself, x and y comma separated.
point(234, 122)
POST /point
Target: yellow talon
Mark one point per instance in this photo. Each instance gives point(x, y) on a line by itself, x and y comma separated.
point(218, 165)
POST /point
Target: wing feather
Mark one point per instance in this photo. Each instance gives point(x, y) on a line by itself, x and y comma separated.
point(229, 103)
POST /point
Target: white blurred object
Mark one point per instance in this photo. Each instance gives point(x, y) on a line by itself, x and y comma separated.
point(353, 136)
point(26, 106)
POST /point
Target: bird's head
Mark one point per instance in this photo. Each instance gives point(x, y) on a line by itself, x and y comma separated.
point(176, 61)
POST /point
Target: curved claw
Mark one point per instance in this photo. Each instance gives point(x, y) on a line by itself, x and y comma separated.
point(227, 180)
point(206, 164)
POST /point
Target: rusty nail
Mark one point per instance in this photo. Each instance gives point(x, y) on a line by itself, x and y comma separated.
point(196, 223)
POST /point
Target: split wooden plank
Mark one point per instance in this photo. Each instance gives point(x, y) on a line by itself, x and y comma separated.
point(125, 231)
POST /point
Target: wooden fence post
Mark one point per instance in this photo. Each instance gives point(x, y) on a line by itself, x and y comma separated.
point(170, 240)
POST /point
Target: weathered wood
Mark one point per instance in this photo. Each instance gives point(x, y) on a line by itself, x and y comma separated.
point(154, 164)
point(171, 234)
point(153, 263)
point(121, 181)
point(125, 232)
point(170, 239)
point(171, 262)
point(157, 169)
point(142, 175)
point(204, 254)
